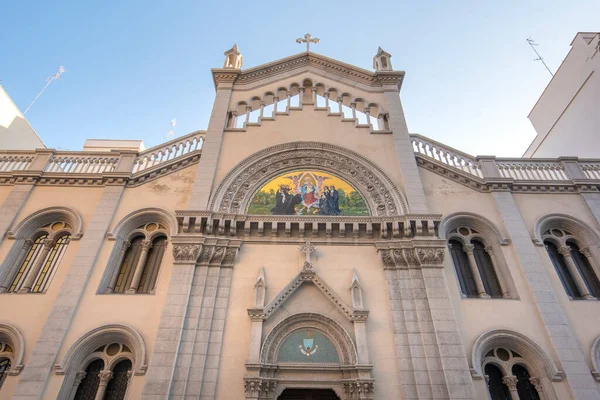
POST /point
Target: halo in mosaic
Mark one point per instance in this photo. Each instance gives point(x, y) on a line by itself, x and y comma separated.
point(307, 346)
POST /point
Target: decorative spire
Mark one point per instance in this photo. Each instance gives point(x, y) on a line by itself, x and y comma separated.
point(260, 289)
point(233, 58)
point(381, 61)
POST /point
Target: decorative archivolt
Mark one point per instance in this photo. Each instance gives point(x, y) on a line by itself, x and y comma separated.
point(143, 216)
point(582, 233)
point(13, 347)
point(485, 230)
point(308, 92)
point(334, 331)
point(236, 189)
point(32, 223)
point(596, 359)
point(530, 351)
point(101, 336)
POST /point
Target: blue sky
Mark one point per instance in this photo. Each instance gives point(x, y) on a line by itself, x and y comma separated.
point(132, 66)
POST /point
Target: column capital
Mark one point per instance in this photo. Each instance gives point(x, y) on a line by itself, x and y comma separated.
point(565, 251)
point(468, 248)
point(79, 376)
point(511, 382)
point(105, 376)
point(537, 383)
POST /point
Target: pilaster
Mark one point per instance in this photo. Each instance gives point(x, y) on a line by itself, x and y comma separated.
point(36, 372)
point(207, 166)
point(559, 331)
point(413, 186)
point(12, 205)
point(429, 351)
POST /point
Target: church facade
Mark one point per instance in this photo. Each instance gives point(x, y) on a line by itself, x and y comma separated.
point(305, 246)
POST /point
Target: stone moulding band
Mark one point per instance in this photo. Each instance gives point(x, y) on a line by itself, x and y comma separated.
point(239, 185)
point(358, 230)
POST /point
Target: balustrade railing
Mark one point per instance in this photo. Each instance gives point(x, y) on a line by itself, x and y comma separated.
point(10, 162)
point(441, 153)
point(590, 169)
point(168, 151)
point(75, 163)
point(532, 170)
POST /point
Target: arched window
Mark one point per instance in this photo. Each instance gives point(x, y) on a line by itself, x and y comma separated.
point(139, 260)
point(38, 259)
point(573, 264)
point(5, 357)
point(507, 376)
point(474, 264)
point(105, 375)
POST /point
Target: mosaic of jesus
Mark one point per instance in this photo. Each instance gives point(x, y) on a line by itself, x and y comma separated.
point(307, 192)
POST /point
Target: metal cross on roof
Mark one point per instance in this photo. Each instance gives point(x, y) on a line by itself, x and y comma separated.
point(308, 39)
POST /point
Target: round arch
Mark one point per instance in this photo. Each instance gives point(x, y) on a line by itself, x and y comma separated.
point(103, 335)
point(481, 224)
point(143, 216)
point(33, 222)
point(14, 338)
point(530, 351)
point(587, 235)
point(236, 189)
point(334, 331)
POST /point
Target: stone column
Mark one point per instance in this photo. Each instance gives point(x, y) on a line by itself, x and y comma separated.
point(8, 278)
point(411, 180)
point(161, 367)
point(211, 148)
point(105, 377)
point(115, 274)
point(538, 387)
point(139, 268)
point(511, 383)
point(33, 272)
point(468, 248)
point(35, 374)
point(565, 251)
point(79, 376)
point(569, 353)
point(499, 274)
point(431, 358)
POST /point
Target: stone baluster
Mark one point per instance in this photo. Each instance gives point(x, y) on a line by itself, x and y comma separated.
point(326, 95)
point(262, 110)
point(117, 268)
point(501, 278)
point(48, 244)
point(468, 248)
point(340, 101)
point(289, 100)
point(314, 95)
point(105, 377)
point(511, 383)
point(27, 244)
point(537, 383)
point(353, 107)
point(583, 289)
point(139, 268)
point(275, 101)
point(300, 96)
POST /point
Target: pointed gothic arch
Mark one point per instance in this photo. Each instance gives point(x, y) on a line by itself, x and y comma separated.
point(239, 185)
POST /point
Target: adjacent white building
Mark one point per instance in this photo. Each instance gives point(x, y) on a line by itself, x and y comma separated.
point(15, 131)
point(567, 114)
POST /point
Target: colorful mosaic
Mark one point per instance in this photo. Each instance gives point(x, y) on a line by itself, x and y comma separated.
point(307, 346)
point(307, 192)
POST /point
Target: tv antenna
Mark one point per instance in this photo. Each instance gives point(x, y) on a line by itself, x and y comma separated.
point(532, 43)
point(49, 80)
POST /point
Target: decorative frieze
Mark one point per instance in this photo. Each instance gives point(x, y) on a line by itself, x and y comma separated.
point(259, 388)
point(359, 389)
point(407, 254)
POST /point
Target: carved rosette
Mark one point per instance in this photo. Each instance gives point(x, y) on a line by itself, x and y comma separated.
point(241, 183)
point(259, 388)
point(186, 253)
point(359, 389)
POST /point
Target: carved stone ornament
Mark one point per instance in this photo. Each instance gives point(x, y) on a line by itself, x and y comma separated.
point(256, 387)
point(433, 256)
point(235, 191)
point(510, 382)
point(359, 389)
point(186, 252)
point(402, 255)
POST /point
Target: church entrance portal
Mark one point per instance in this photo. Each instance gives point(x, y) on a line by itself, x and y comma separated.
point(308, 394)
